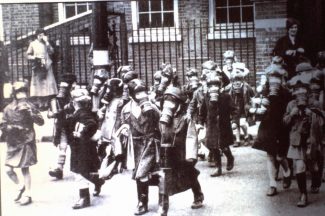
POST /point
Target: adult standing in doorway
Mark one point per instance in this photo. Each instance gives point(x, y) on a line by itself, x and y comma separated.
point(43, 85)
point(290, 47)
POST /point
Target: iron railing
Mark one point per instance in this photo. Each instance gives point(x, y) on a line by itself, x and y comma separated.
point(188, 45)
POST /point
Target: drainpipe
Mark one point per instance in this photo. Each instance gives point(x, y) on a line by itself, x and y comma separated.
point(101, 58)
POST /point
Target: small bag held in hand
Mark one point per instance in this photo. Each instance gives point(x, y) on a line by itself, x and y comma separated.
point(39, 69)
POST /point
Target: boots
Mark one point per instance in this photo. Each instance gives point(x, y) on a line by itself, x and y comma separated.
point(163, 204)
point(301, 180)
point(142, 188)
point(84, 200)
point(230, 158)
point(198, 195)
point(218, 171)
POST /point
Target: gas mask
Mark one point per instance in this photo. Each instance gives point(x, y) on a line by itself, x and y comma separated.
point(229, 63)
point(167, 75)
point(237, 85)
point(64, 88)
point(170, 107)
point(315, 90)
point(193, 82)
point(143, 100)
point(274, 85)
point(301, 95)
point(100, 76)
point(114, 89)
point(213, 85)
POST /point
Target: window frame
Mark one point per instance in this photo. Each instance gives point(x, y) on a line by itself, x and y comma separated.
point(62, 10)
point(158, 34)
point(235, 30)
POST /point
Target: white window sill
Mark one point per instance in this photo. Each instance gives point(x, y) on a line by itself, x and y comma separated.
point(154, 38)
point(230, 35)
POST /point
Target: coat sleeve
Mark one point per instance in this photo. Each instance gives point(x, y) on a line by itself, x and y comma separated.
point(36, 116)
point(192, 107)
point(288, 117)
point(202, 113)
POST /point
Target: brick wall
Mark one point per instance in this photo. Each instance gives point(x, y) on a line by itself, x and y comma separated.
point(16, 16)
point(270, 26)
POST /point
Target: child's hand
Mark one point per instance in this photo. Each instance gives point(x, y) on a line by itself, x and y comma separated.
point(76, 134)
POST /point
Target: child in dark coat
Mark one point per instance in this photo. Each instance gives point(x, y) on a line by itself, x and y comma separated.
point(84, 158)
point(17, 126)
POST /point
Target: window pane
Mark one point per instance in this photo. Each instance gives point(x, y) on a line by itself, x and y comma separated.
point(234, 15)
point(234, 2)
point(90, 6)
point(221, 15)
point(221, 3)
point(143, 20)
point(247, 14)
point(81, 9)
point(156, 5)
point(246, 2)
point(143, 5)
point(169, 19)
point(168, 5)
point(70, 11)
point(156, 20)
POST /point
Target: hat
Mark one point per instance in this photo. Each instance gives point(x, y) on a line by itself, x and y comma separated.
point(304, 66)
point(299, 81)
point(135, 86)
point(167, 70)
point(290, 22)
point(210, 65)
point(128, 76)
point(124, 69)
point(39, 31)
point(80, 95)
point(176, 92)
point(240, 70)
point(275, 70)
point(229, 54)
point(20, 86)
point(157, 75)
point(68, 77)
point(191, 72)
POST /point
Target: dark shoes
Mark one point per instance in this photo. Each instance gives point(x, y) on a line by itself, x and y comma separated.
point(272, 191)
point(230, 163)
point(303, 201)
point(198, 202)
point(286, 182)
point(25, 200)
point(236, 144)
point(142, 208)
point(314, 190)
point(57, 173)
point(84, 200)
point(98, 185)
point(20, 193)
point(217, 172)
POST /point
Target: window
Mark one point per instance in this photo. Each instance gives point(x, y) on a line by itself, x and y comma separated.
point(156, 13)
point(67, 10)
point(158, 18)
point(231, 18)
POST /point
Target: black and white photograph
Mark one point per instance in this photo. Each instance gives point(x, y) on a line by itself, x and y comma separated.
point(162, 107)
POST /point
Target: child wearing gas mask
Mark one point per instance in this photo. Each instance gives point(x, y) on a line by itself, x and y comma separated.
point(17, 126)
point(140, 119)
point(62, 134)
point(241, 93)
point(273, 135)
point(306, 122)
point(110, 150)
point(84, 158)
point(215, 113)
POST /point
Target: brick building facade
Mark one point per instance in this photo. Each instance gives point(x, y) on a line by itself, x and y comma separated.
point(190, 43)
